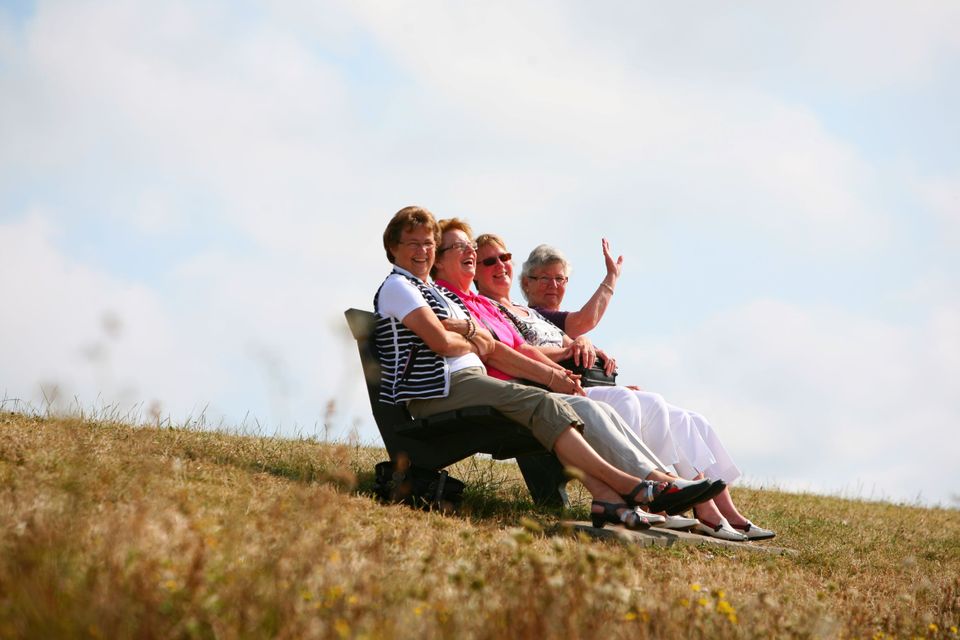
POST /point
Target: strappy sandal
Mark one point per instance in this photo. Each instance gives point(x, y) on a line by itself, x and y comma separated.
point(628, 517)
point(668, 497)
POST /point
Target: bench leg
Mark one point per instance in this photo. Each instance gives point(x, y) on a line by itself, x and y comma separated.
point(545, 479)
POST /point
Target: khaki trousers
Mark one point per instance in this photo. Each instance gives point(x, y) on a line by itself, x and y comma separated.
point(545, 414)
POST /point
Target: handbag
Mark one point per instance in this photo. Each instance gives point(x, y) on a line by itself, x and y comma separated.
point(417, 487)
point(592, 377)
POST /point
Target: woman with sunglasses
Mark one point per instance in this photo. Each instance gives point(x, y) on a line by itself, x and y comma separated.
point(694, 447)
point(432, 369)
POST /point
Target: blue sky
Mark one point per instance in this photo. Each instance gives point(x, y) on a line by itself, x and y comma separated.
point(190, 195)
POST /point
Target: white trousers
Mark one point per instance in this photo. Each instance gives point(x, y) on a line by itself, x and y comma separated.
point(723, 466)
point(612, 438)
point(680, 438)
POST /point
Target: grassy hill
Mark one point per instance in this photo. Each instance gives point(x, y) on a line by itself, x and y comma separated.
point(112, 531)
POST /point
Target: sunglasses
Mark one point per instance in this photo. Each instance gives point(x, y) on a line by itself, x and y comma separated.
point(492, 260)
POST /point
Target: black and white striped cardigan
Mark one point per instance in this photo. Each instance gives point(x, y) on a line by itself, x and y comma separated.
point(408, 368)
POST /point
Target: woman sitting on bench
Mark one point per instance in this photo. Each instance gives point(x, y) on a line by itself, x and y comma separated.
point(434, 369)
point(683, 439)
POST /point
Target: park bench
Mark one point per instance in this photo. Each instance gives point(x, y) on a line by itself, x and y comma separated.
point(442, 439)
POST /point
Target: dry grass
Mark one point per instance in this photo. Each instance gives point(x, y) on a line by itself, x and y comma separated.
point(114, 531)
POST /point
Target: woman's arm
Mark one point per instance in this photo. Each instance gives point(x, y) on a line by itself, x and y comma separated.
point(589, 315)
point(545, 372)
point(424, 322)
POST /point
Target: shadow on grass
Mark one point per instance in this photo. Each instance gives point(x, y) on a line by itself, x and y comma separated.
point(494, 492)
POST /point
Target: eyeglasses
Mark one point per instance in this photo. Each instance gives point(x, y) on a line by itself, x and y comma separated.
point(492, 260)
point(545, 280)
point(461, 247)
point(413, 245)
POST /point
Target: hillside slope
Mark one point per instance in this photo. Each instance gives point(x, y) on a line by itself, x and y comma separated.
point(113, 531)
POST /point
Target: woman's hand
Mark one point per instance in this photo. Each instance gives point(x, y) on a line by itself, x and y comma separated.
point(456, 325)
point(583, 352)
point(577, 387)
point(614, 267)
point(609, 363)
point(484, 342)
point(563, 381)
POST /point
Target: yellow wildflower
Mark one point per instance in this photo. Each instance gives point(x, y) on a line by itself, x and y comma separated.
point(684, 602)
point(630, 616)
point(725, 607)
point(334, 593)
point(342, 628)
point(695, 587)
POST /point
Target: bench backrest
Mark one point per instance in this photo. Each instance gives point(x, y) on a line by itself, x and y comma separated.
point(387, 416)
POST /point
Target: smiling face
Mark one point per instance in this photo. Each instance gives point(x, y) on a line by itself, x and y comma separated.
point(416, 251)
point(494, 280)
point(456, 259)
point(546, 285)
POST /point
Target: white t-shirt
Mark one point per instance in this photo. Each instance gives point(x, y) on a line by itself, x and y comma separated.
point(399, 296)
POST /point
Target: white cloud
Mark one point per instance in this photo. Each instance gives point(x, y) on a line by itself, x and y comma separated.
point(240, 111)
point(820, 395)
point(942, 195)
point(87, 332)
point(246, 113)
point(235, 335)
point(699, 151)
point(849, 46)
point(877, 45)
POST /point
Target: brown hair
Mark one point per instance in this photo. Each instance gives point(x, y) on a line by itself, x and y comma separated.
point(455, 224)
point(406, 220)
point(490, 238)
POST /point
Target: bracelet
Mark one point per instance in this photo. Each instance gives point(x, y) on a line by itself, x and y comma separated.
point(471, 329)
point(604, 284)
point(550, 382)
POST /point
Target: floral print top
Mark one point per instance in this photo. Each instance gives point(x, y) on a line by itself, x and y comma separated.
point(534, 328)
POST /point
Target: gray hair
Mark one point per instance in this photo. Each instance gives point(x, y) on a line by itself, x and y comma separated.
point(542, 256)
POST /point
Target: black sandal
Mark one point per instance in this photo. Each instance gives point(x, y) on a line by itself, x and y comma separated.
point(666, 496)
point(629, 517)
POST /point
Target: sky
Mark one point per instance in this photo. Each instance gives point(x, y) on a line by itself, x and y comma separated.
point(191, 194)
